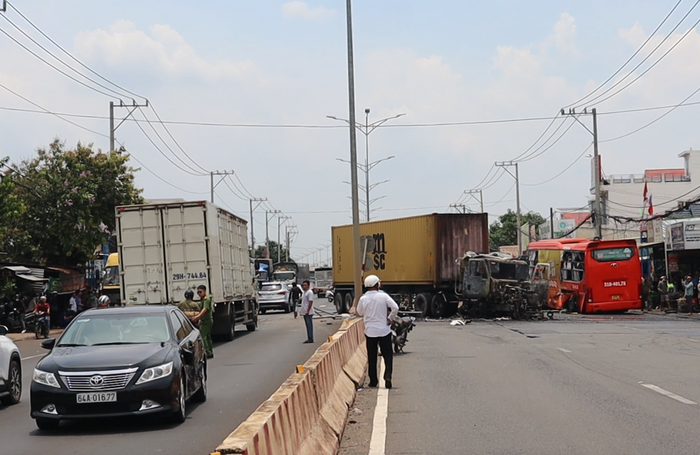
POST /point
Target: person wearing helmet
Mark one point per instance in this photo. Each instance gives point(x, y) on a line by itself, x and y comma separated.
point(103, 302)
point(373, 307)
point(189, 304)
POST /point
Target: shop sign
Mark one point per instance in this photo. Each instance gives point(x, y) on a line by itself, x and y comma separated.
point(677, 239)
point(692, 235)
point(672, 263)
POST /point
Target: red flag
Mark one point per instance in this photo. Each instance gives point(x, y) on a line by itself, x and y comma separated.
point(646, 191)
point(651, 206)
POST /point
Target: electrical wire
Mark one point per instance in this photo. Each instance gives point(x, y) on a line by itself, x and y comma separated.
point(639, 49)
point(175, 141)
point(563, 171)
point(69, 54)
point(536, 154)
point(58, 59)
point(600, 101)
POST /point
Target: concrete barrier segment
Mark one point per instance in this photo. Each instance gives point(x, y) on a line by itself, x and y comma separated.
point(356, 367)
point(335, 410)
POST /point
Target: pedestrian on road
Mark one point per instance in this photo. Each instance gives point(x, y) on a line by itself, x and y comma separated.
point(646, 293)
point(378, 310)
point(294, 295)
point(663, 292)
point(307, 310)
point(73, 302)
point(206, 320)
point(689, 288)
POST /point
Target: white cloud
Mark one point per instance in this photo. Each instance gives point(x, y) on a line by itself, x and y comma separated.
point(302, 10)
point(164, 51)
point(565, 34)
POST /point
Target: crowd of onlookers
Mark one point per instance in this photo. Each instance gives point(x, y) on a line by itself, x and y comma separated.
point(63, 307)
point(662, 292)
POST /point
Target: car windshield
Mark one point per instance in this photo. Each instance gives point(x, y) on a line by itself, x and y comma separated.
point(111, 276)
point(103, 329)
point(283, 276)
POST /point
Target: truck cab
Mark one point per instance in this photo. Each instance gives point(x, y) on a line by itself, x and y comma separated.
point(111, 280)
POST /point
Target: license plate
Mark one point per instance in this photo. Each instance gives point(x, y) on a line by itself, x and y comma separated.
point(615, 297)
point(97, 397)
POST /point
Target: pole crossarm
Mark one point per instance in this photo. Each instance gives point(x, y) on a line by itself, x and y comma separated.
point(480, 192)
point(223, 175)
point(505, 165)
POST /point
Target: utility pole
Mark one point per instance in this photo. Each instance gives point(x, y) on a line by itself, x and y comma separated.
point(597, 208)
point(279, 228)
point(481, 197)
point(3, 8)
point(551, 223)
point(223, 175)
point(259, 201)
point(289, 230)
point(459, 206)
point(505, 165)
point(112, 129)
point(356, 259)
point(267, 223)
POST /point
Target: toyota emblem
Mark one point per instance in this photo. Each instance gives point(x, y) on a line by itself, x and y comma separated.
point(97, 380)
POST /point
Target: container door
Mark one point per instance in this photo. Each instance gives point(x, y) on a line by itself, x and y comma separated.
point(185, 249)
point(235, 261)
point(141, 256)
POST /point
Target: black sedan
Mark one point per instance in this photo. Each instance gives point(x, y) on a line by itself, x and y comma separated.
point(120, 362)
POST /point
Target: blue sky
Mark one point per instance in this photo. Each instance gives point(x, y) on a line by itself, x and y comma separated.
point(282, 63)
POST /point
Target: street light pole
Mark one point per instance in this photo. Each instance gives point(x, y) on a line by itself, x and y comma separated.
point(367, 129)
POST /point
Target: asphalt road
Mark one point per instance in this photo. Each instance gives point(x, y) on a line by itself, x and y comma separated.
point(243, 374)
point(624, 384)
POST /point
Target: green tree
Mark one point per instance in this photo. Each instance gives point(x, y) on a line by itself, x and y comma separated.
point(274, 246)
point(69, 198)
point(504, 231)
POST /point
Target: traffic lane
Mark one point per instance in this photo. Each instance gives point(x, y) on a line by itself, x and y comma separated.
point(485, 388)
point(242, 375)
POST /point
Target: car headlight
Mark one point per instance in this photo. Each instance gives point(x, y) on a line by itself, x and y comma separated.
point(45, 378)
point(151, 374)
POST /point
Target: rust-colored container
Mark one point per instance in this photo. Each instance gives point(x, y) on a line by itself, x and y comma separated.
point(419, 250)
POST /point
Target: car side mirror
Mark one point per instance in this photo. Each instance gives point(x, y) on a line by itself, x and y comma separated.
point(3, 330)
point(48, 343)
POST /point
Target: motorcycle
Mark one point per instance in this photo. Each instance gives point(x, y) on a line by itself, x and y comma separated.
point(40, 326)
point(11, 318)
point(400, 328)
point(329, 295)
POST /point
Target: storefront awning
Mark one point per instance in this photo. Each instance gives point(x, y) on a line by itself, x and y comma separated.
point(650, 245)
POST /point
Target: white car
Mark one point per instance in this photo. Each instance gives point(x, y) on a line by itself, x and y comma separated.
point(10, 370)
point(274, 296)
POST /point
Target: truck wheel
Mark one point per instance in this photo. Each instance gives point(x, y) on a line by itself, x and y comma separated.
point(439, 306)
point(231, 333)
point(251, 326)
point(348, 301)
point(339, 302)
point(422, 304)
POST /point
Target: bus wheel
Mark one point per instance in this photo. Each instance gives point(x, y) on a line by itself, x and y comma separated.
point(422, 304)
point(550, 315)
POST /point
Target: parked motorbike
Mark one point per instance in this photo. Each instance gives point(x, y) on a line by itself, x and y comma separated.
point(11, 318)
point(40, 326)
point(329, 295)
point(400, 327)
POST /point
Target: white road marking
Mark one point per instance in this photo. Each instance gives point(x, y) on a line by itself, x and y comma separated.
point(32, 357)
point(377, 445)
point(668, 394)
point(564, 350)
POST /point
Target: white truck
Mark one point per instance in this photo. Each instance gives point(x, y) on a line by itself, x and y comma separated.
point(166, 249)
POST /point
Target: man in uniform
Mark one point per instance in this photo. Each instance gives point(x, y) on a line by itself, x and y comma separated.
point(205, 319)
point(189, 304)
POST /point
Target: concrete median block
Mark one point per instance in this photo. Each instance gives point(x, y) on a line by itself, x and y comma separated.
point(335, 409)
point(356, 367)
point(322, 440)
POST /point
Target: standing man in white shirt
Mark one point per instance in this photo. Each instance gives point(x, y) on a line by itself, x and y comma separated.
point(307, 310)
point(378, 310)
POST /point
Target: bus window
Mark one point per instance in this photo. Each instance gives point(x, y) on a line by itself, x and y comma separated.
point(572, 268)
point(613, 254)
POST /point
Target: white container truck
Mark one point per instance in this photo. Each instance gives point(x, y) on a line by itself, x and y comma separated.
point(167, 248)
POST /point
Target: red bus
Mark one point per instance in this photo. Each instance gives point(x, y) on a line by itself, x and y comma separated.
point(588, 276)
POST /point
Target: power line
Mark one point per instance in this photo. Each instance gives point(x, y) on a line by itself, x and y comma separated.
point(71, 55)
point(536, 154)
point(639, 49)
point(174, 140)
point(563, 171)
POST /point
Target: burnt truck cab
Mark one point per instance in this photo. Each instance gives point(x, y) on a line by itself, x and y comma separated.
point(492, 284)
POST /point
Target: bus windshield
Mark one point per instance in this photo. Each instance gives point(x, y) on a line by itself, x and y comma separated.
point(613, 254)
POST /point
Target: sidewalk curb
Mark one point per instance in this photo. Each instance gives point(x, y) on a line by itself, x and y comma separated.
point(30, 335)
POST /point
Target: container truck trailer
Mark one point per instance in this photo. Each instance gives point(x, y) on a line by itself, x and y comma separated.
point(166, 249)
point(417, 258)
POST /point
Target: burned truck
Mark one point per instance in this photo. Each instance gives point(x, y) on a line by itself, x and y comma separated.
point(497, 285)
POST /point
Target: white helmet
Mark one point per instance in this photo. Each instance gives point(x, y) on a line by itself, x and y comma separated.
point(103, 300)
point(371, 281)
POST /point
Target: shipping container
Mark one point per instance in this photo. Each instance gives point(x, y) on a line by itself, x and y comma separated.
point(415, 257)
point(166, 249)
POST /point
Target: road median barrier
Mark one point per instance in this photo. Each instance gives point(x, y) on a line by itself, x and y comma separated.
point(307, 414)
